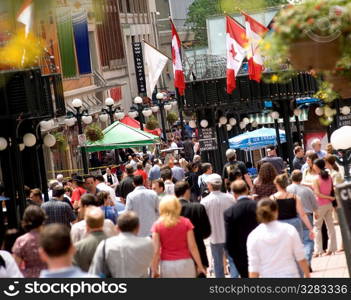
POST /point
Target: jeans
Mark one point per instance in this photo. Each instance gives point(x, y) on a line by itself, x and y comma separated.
point(307, 242)
point(296, 222)
point(218, 251)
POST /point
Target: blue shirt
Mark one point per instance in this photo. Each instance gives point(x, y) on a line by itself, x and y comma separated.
point(120, 207)
point(155, 173)
point(178, 173)
point(70, 272)
point(111, 213)
point(321, 154)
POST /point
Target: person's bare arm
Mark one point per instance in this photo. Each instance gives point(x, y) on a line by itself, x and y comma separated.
point(303, 216)
point(156, 258)
point(248, 181)
point(305, 268)
point(194, 251)
point(317, 192)
point(254, 274)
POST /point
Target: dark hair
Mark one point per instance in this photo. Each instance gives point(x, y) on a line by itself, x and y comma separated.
point(140, 166)
point(331, 159)
point(100, 178)
point(282, 180)
point(266, 209)
point(239, 187)
point(27, 191)
point(234, 175)
point(267, 173)
point(37, 192)
point(248, 164)
point(312, 156)
point(193, 166)
point(166, 174)
point(33, 217)
point(129, 170)
point(55, 239)
point(320, 163)
point(160, 183)
point(180, 188)
point(128, 221)
point(58, 191)
point(138, 180)
point(297, 149)
point(101, 197)
point(296, 176)
point(89, 176)
point(205, 167)
point(88, 199)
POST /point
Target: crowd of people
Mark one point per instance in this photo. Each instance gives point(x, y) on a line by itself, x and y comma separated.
point(178, 219)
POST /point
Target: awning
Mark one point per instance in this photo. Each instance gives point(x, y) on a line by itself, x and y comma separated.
point(119, 136)
point(136, 124)
point(257, 139)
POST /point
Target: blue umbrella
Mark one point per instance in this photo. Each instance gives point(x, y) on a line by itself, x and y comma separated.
point(256, 139)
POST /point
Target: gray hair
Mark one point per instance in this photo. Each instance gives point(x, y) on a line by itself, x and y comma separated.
point(230, 153)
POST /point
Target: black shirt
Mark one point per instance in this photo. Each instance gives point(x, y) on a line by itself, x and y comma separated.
point(276, 161)
point(286, 208)
point(298, 163)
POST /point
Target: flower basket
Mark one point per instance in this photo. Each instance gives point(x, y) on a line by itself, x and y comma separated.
point(341, 84)
point(94, 133)
point(308, 54)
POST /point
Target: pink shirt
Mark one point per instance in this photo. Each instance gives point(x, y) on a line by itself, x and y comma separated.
point(325, 188)
point(174, 243)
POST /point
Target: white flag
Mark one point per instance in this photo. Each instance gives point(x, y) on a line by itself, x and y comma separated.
point(155, 61)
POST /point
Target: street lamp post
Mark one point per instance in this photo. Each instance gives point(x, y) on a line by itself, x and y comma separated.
point(162, 106)
point(81, 116)
point(341, 141)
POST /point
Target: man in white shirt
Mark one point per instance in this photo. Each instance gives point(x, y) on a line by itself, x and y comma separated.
point(111, 179)
point(216, 203)
point(79, 230)
point(102, 186)
point(145, 203)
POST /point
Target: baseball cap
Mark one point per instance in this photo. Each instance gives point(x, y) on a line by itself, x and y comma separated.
point(213, 179)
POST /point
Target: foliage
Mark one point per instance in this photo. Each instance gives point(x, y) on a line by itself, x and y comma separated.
point(152, 123)
point(172, 118)
point(198, 12)
point(94, 133)
point(326, 93)
point(61, 141)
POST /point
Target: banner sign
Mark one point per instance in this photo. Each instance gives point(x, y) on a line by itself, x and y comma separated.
point(139, 67)
point(208, 139)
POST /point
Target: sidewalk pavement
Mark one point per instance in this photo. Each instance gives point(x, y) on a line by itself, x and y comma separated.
point(331, 266)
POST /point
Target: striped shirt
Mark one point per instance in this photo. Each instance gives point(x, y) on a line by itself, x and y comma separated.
point(58, 212)
point(216, 203)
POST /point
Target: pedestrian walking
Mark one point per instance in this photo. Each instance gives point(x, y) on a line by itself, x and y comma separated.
point(275, 160)
point(264, 185)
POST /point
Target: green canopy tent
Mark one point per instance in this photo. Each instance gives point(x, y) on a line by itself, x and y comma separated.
point(119, 135)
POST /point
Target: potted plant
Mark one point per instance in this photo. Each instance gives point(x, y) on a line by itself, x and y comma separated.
point(152, 123)
point(313, 34)
point(94, 133)
point(327, 95)
point(171, 118)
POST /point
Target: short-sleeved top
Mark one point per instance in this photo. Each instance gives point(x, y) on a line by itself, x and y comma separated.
point(276, 161)
point(77, 193)
point(234, 164)
point(141, 173)
point(174, 243)
point(58, 212)
point(26, 247)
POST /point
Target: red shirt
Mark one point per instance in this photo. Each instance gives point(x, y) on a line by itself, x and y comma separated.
point(174, 242)
point(141, 173)
point(77, 193)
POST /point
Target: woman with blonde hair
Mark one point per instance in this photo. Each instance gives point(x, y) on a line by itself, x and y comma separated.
point(174, 241)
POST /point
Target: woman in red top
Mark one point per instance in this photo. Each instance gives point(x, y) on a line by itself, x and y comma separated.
point(140, 171)
point(78, 190)
point(175, 246)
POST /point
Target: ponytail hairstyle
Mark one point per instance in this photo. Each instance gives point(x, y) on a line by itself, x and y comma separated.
point(331, 159)
point(320, 163)
point(266, 211)
point(282, 180)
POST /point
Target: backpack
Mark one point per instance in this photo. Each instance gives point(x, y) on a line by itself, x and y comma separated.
point(233, 168)
point(204, 191)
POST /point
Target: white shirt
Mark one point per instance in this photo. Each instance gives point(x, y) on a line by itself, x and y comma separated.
point(174, 146)
point(145, 203)
point(169, 187)
point(216, 203)
point(115, 181)
point(79, 230)
point(273, 250)
point(11, 270)
point(104, 187)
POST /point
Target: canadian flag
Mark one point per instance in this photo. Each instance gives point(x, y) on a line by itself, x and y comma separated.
point(25, 15)
point(179, 81)
point(236, 42)
point(254, 32)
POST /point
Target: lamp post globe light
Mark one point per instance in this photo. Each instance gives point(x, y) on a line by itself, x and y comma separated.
point(341, 141)
point(111, 112)
point(161, 105)
point(80, 116)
